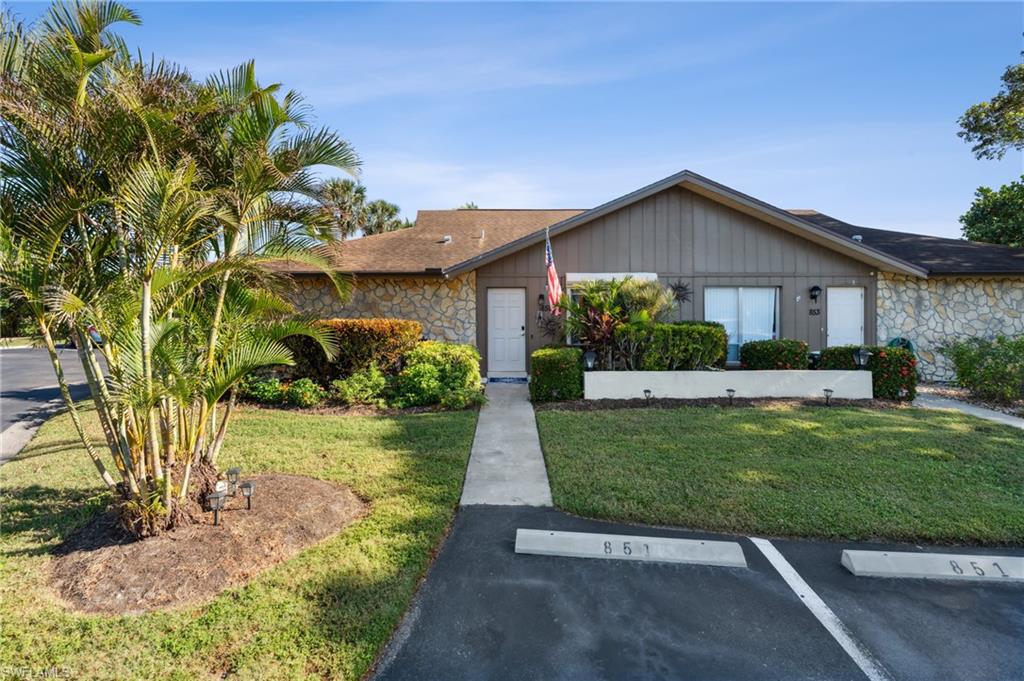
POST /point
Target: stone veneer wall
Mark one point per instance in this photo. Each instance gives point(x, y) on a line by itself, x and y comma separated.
point(931, 311)
point(445, 307)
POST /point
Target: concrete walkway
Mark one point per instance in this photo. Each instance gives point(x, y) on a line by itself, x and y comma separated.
point(506, 466)
point(935, 402)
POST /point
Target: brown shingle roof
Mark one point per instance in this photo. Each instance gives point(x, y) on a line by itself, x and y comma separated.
point(423, 250)
point(937, 255)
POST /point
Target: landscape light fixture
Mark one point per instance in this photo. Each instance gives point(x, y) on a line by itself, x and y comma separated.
point(861, 357)
point(828, 396)
point(248, 487)
point(648, 395)
point(731, 393)
point(233, 475)
point(216, 502)
point(589, 360)
point(815, 292)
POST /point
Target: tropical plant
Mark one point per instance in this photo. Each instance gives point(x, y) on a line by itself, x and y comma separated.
point(343, 202)
point(597, 308)
point(140, 209)
point(381, 216)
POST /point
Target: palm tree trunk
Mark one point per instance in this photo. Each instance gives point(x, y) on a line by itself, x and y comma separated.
point(223, 430)
point(151, 443)
point(51, 348)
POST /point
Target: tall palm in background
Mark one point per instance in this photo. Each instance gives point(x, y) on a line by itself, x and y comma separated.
point(381, 216)
point(139, 211)
point(343, 202)
point(345, 209)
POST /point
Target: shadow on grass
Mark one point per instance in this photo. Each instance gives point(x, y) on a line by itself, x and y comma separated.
point(363, 609)
point(45, 516)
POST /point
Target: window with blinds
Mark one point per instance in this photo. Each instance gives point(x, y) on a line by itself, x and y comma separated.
point(747, 312)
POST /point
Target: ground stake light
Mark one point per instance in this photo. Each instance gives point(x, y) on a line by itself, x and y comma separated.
point(731, 393)
point(648, 395)
point(216, 502)
point(248, 487)
point(828, 396)
point(589, 360)
point(233, 475)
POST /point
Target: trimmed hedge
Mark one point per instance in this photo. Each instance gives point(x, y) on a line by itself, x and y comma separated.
point(782, 353)
point(361, 342)
point(556, 374)
point(992, 369)
point(434, 372)
point(687, 346)
point(893, 370)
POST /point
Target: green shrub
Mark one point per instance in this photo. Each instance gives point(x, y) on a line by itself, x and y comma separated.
point(433, 370)
point(556, 374)
point(774, 354)
point(361, 342)
point(266, 391)
point(416, 386)
point(304, 393)
point(363, 387)
point(688, 346)
point(463, 398)
point(893, 370)
point(992, 369)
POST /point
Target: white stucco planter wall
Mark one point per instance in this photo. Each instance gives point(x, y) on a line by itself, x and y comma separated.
point(619, 385)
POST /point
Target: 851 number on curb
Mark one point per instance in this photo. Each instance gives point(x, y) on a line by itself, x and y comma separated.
point(976, 567)
point(627, 548)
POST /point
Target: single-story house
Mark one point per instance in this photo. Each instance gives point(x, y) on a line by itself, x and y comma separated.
point(479, 276)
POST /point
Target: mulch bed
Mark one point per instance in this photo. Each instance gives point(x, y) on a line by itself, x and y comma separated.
point(100, 569)
point(738, 402)
point(941, 390)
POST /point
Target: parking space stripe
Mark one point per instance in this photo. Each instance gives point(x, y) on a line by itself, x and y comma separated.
point(860, 655)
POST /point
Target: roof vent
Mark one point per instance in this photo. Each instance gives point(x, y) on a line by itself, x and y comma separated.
point(857, 238)
point(446, 239)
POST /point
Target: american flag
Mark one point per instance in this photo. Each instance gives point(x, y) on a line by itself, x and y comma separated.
point(554, 287)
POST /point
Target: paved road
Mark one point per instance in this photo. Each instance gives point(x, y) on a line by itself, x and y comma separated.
point(486, 613)
point(28, 387)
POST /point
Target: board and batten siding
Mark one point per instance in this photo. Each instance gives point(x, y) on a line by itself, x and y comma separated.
point(683, 236)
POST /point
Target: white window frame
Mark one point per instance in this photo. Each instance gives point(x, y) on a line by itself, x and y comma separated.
point(776, 321)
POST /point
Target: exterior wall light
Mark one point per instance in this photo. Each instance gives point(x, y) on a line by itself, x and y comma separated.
point(828, 396)
point(731, 393)
point(814, 293)
point(861, 357)
point(233, 475)
point(589, 360)
point(216, 502)
point(248, 487)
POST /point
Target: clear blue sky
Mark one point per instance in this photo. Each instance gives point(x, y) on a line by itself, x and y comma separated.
point(847, 108)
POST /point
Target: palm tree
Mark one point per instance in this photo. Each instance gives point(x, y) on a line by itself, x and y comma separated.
point(145, 208)
point(381, 216)
point(343, 202)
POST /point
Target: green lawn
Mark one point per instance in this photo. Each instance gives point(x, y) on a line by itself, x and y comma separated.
point(901, 474)
point(323, 614)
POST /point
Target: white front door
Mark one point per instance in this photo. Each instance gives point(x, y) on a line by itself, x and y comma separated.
point(506, 330)
point(845, 319)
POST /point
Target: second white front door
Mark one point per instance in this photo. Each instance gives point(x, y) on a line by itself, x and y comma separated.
point(506, 330)
point(845, 315)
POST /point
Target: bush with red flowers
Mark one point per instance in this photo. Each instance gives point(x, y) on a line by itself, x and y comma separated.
point(774, 354)
point(893, 370)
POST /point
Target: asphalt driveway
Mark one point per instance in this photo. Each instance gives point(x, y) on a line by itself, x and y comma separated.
point(27, 381)
point(29, 393)
point(486, 613)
